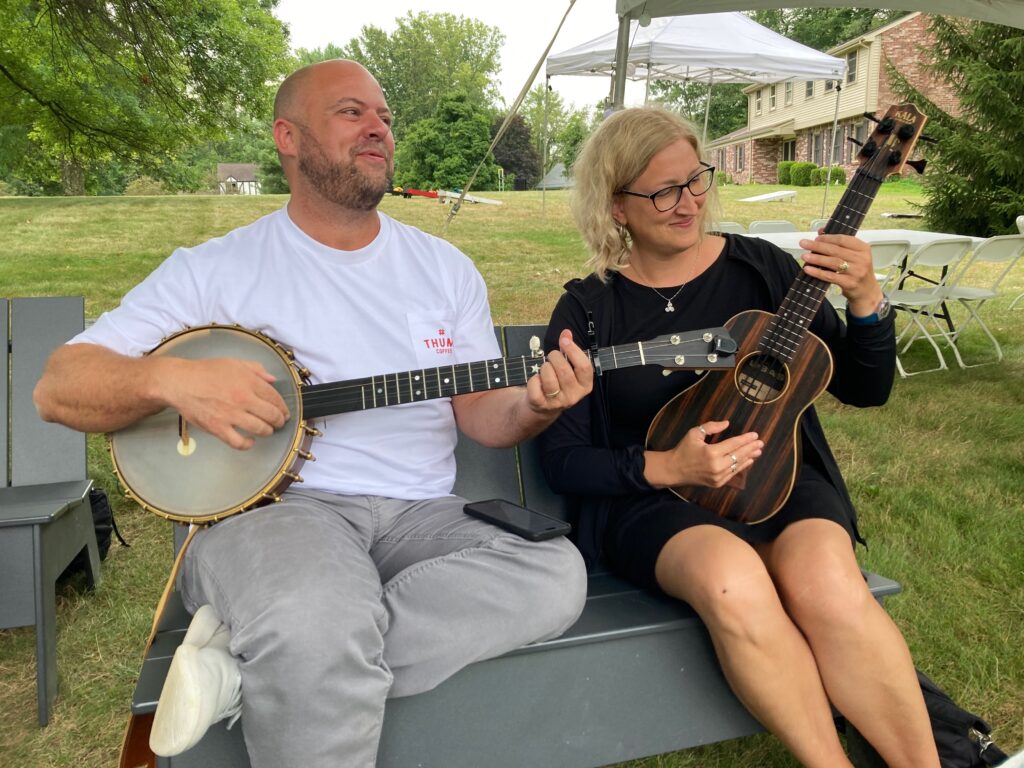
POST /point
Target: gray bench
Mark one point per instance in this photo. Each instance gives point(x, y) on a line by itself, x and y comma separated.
point(635, 676)
point(45, 519)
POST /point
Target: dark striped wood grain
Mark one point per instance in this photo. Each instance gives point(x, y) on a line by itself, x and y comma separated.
point(759, 492)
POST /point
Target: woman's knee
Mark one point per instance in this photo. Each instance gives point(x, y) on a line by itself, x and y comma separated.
point(723, 579)
point(826, 598)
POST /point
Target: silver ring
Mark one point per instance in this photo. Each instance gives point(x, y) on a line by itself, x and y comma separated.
point(843, 267)
point(701, 428)
point(554, 394)
point(733, 457)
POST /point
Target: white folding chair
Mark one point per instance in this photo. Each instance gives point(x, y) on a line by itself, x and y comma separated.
point(769, 225)
point(733, 227)
point(888, 258)
point(927, 305)
point(972, 289)
point(1020, 226)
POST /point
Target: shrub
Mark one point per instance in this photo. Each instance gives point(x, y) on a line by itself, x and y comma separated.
point(800, 174)
point(817, 177)
point(784, 169)
point(144, 185)
point(6, 190)
point(838, 175)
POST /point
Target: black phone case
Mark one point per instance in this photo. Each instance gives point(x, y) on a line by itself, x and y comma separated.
point(541, 526)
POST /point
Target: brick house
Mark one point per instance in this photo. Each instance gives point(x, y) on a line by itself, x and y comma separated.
point(793, 121)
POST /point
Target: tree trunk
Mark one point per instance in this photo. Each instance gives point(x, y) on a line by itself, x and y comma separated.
point(72, 176)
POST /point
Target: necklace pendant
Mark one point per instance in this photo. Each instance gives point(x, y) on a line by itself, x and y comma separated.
point(670, 307)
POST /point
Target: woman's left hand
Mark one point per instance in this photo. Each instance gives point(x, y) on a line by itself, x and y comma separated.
point(845, 261)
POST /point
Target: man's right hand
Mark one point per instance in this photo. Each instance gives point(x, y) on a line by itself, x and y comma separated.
point(233, 400)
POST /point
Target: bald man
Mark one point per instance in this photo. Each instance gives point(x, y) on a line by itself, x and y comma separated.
point(368, 580)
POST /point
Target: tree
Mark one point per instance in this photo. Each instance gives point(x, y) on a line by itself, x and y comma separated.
point(975, 179)
point(132, 78)
point(824, 28)
point(727, 111)
point(570, 139)
point(441, 152)
point(428, 57)
point(546, 120)
point(515, 153)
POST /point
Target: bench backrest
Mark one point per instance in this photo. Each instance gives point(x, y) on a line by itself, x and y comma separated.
point(38, 452)
point(5, 342)
point(537, 495)
point(486, 473)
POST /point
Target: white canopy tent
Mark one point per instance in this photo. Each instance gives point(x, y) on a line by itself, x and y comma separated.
point(1008, 12)
point(718, 47)
point(711, 48)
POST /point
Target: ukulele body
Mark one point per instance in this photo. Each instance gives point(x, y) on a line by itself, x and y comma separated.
point(765, 394)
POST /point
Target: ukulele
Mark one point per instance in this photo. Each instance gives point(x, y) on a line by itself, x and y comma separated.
point(781, 367)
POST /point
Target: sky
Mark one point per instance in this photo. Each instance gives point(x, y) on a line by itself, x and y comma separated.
point(528, 26)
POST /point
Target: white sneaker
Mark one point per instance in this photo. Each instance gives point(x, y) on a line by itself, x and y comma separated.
point(203, 687)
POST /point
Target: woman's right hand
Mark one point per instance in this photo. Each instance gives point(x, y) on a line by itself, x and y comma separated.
point(694, 461)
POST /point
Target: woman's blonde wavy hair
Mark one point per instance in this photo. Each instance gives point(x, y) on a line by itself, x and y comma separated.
point(613, 157)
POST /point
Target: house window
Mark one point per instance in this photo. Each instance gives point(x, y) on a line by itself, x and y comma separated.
point(738, 157)
point(721, 160)
point(771, 97)
point(809, 91)
point(789, 94)
point(757, 102)
point(817, 145)
point(789, 150)
point(829, 85)
point(839, 146)
point(860, 131)
point(851, 67)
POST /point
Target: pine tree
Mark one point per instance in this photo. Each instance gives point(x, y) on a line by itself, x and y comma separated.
point(975, 178)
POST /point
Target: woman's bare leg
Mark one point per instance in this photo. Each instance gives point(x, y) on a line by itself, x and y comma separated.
point(763, 655)
point(860, 653)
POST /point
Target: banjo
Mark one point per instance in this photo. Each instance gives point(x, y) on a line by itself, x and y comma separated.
point(190, 476)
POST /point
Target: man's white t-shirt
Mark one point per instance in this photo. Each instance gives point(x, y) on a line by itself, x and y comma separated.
point(407, 300)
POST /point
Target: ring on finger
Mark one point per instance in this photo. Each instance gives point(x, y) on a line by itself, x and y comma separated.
point(732, 456)
point(702, 430)
point(554, 394)
point(843, 266)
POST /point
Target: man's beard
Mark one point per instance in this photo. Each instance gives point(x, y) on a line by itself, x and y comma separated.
point(341, 182)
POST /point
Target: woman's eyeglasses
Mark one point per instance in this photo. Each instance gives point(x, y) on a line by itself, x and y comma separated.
point(668, 198)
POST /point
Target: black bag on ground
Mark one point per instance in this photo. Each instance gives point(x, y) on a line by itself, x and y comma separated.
point(963, 739)
point(106, 527)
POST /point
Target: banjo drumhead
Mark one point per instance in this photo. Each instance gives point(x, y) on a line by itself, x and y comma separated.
point(207, 479)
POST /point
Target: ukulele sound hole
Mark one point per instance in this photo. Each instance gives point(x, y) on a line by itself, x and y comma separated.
point(761, 378)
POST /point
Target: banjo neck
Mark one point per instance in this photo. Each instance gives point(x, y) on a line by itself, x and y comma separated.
point(320, 400)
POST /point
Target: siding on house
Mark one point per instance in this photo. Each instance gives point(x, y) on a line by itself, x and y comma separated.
point(805, 124)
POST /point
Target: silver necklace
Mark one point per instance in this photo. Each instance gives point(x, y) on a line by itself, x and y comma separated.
point(669, 306)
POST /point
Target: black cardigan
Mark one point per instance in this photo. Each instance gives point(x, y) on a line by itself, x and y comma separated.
point(576, 457)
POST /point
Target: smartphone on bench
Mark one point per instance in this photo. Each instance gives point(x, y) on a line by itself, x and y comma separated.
point(520, 520)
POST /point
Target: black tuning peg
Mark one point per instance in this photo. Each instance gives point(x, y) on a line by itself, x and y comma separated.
point(869, 149)
point(927, 139)
point(855, 141)
point(895, 156)
point(905, 132)
point(871, 116)
point(917, 165)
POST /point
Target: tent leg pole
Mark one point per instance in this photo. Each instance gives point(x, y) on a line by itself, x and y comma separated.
point(621, 54)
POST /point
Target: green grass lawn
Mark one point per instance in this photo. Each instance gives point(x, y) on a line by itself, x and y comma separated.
point(937, 474)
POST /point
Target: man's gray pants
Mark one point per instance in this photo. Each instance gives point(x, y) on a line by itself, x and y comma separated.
point(337, 602)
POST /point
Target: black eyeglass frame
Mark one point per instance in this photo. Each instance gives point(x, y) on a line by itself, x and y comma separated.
point(678, 187)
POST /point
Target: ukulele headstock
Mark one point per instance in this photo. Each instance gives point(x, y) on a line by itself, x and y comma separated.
point(893, 141)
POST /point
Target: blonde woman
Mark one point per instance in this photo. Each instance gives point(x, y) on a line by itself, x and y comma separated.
point(793, 623)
